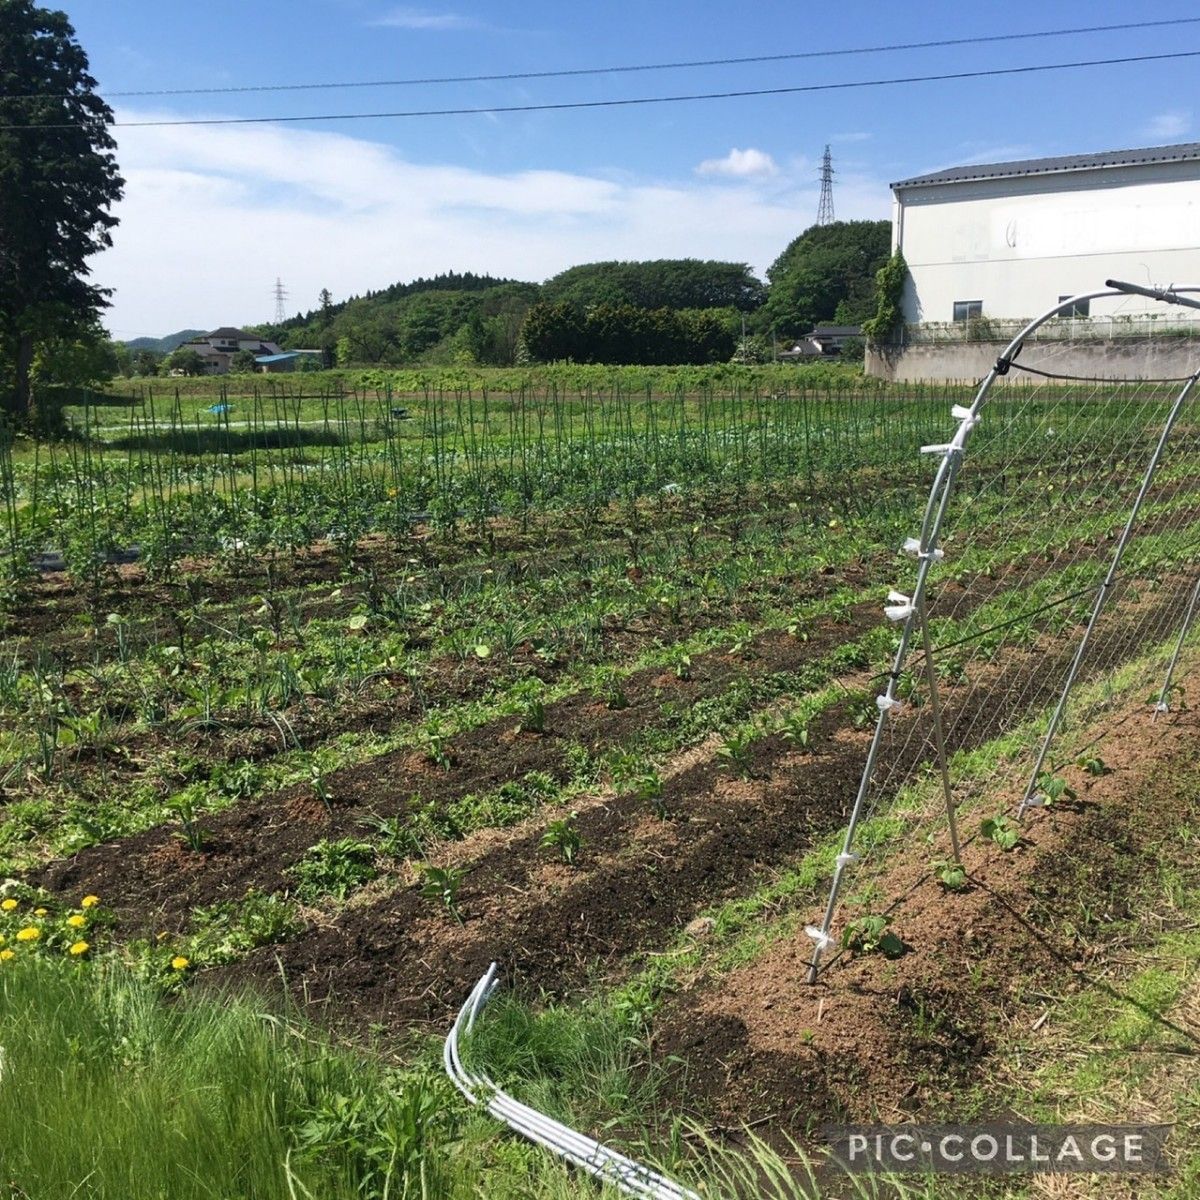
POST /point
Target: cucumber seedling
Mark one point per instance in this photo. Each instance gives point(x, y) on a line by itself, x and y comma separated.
point(869, 934)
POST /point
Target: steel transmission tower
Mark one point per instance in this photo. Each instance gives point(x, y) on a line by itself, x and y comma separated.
point(825, 208)
point(280, 300)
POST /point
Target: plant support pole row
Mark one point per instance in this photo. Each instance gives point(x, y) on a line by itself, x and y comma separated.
point(911, 612)
point(1164, 698)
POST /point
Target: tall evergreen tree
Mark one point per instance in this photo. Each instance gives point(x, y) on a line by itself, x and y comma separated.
point(58, 182)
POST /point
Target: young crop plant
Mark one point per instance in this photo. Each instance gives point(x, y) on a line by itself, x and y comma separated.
point(647, 788)
point(1054, 788)
point(738, 752)
point(609, 688)
point(441, 884)
point(563, 837)
point(531, 707)
point(394, 836)
point(869, 934)
point(681, 663)
point(794, 727)
point(1001, 830)
point(319, 783)
point(951, 875)
point(1094, 765)
point(334, 869)
point(433, 740)
point(861, 709)
point(192, 833)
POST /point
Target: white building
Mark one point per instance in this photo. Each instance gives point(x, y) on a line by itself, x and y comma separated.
point(1008, 240)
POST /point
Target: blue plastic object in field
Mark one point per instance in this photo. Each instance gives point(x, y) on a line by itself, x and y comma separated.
point(218, 408)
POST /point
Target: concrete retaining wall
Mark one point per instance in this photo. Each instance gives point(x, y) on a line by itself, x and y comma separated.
point(970, 361)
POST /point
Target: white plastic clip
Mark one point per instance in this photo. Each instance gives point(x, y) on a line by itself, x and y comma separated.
point(1162, 706)
point(888, 704)
point(913, 546)
point(844, 860)
point(899, 607)
point(960, 412)
point(940, 448)
point(1035, 801)
point(823, 940)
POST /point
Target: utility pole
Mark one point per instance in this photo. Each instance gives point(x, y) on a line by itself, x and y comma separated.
point(280, 301)
point(825, 208)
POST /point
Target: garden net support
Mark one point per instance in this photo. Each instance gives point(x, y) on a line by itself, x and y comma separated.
point(1164, 696)
point(1020, 530)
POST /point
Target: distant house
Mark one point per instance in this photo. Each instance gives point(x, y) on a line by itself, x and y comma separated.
point(218, 348)
point(822, 341)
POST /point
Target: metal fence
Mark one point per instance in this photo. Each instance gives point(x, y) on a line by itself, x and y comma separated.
point(1142, 326)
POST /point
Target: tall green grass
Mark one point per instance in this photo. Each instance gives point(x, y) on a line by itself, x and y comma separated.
point(109, 1092)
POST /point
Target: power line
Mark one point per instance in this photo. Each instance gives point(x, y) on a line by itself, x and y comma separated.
point(636, 100)
point(632, 68)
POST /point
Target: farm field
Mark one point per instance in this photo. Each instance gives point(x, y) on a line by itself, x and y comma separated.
point(578, 678)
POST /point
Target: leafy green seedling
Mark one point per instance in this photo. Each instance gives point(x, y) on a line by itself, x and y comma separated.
point(870, 934)
point(334, 868)
point(737, 752)
point(648, 789)
point(610, 689)
point(951, 875)
point(794, 728)
point(561, 835)
point(434, 738)
point(1053, 788)
point(441, 884)
point(1001, 831)
point(395, 838)
point(861, 709)
point(192, 832)
point(531, 708)
point(1094, 765)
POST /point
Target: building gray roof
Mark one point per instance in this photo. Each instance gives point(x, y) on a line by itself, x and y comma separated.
point(285, 356)
point(1184, 152)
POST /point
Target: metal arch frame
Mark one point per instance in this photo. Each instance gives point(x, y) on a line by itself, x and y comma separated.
point(912, 611)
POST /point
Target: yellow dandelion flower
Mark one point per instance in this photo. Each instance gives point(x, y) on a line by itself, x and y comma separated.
point(89, 902)
point(179, 963)
point(41, 912)
point(8, 905)
point(5, 955)
point(77, 920)
point(29, 934)
point(78, 948)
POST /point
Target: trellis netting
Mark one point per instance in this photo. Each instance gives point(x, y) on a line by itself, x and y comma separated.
point(1059, 546)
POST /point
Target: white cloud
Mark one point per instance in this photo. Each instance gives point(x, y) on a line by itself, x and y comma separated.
point(420, 18)
point(1172, 123)
point(212, 214)
point(740, 164)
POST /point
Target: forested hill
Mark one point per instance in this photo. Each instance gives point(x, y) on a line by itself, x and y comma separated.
point(659, 311)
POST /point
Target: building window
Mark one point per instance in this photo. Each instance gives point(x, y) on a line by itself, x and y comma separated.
point(967, 310)
point(1081, 308)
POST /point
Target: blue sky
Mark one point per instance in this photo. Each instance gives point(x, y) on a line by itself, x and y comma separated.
point(214, 214)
